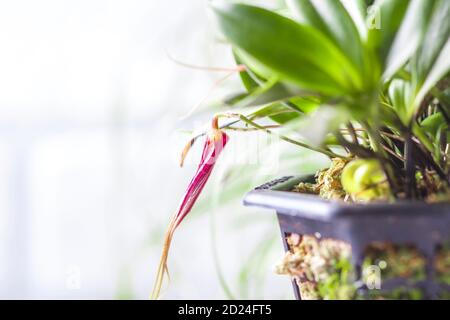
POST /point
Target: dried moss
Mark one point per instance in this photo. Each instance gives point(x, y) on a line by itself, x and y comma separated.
point(322, 268)
point(306, 188)
point(328, 185)
point(308, 290)
point(432, 188)
point(328, 182)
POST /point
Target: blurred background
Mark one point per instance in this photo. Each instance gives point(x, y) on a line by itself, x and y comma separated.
point(91, 125)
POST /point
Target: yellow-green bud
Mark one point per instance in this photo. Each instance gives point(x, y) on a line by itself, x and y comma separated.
point(364, 179)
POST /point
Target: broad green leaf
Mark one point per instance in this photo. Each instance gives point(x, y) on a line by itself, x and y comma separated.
point(306, 104)
point(342, 29)
point(432, 62)
point(258, 69)
point(332, 19)
point(270, 92)
point(291, 51)
point(384, 19)
point(264, 91)
point(305, 13)
point(440, 69)
point(357, 9)
point(435, 39)
point(409, 36)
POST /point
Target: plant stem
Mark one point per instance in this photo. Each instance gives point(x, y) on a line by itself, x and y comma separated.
point(352, 132)
point(250, 129)
point(410, 180)
point(244, 119)
point(356, 149)
point(374, 137)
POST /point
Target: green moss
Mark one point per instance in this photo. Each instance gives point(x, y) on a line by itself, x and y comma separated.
point(442, 264)
point(399, 261)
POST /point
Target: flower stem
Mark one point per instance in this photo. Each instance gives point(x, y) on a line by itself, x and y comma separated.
point(244, 119)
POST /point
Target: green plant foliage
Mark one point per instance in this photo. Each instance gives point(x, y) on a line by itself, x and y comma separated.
point(383, 70)
point(274, 42)
point(364, 83)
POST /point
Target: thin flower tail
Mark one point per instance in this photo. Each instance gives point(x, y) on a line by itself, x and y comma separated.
point(214, 144)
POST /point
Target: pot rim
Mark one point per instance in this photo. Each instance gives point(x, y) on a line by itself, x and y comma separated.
point(274, 195)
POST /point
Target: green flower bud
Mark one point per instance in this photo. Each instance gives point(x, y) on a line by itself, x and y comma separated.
point(364, 179)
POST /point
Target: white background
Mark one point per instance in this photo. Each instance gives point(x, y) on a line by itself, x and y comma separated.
point(90, 107)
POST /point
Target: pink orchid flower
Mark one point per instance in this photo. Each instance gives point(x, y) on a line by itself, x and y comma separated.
point(214, 144)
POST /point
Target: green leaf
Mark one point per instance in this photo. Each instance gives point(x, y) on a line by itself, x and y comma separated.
point(409, 36)
point(432, 124)
point(306, 104)
point(305, 13)
point(291, 51)
point(270, 111)
point(332, 19)
point(357, 9)
point(384, 17)
point(342, 29)
point(400, 96)
point(262, 91)
point(270, 92)
point(440, 69)
point(256, 70)
point(437, 129)
point(284, 118)
point(434, 41)
point(247, 80)
point(301, 106)
point(283, 112)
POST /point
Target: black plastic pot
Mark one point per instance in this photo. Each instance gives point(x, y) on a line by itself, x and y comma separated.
point(425, 226)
